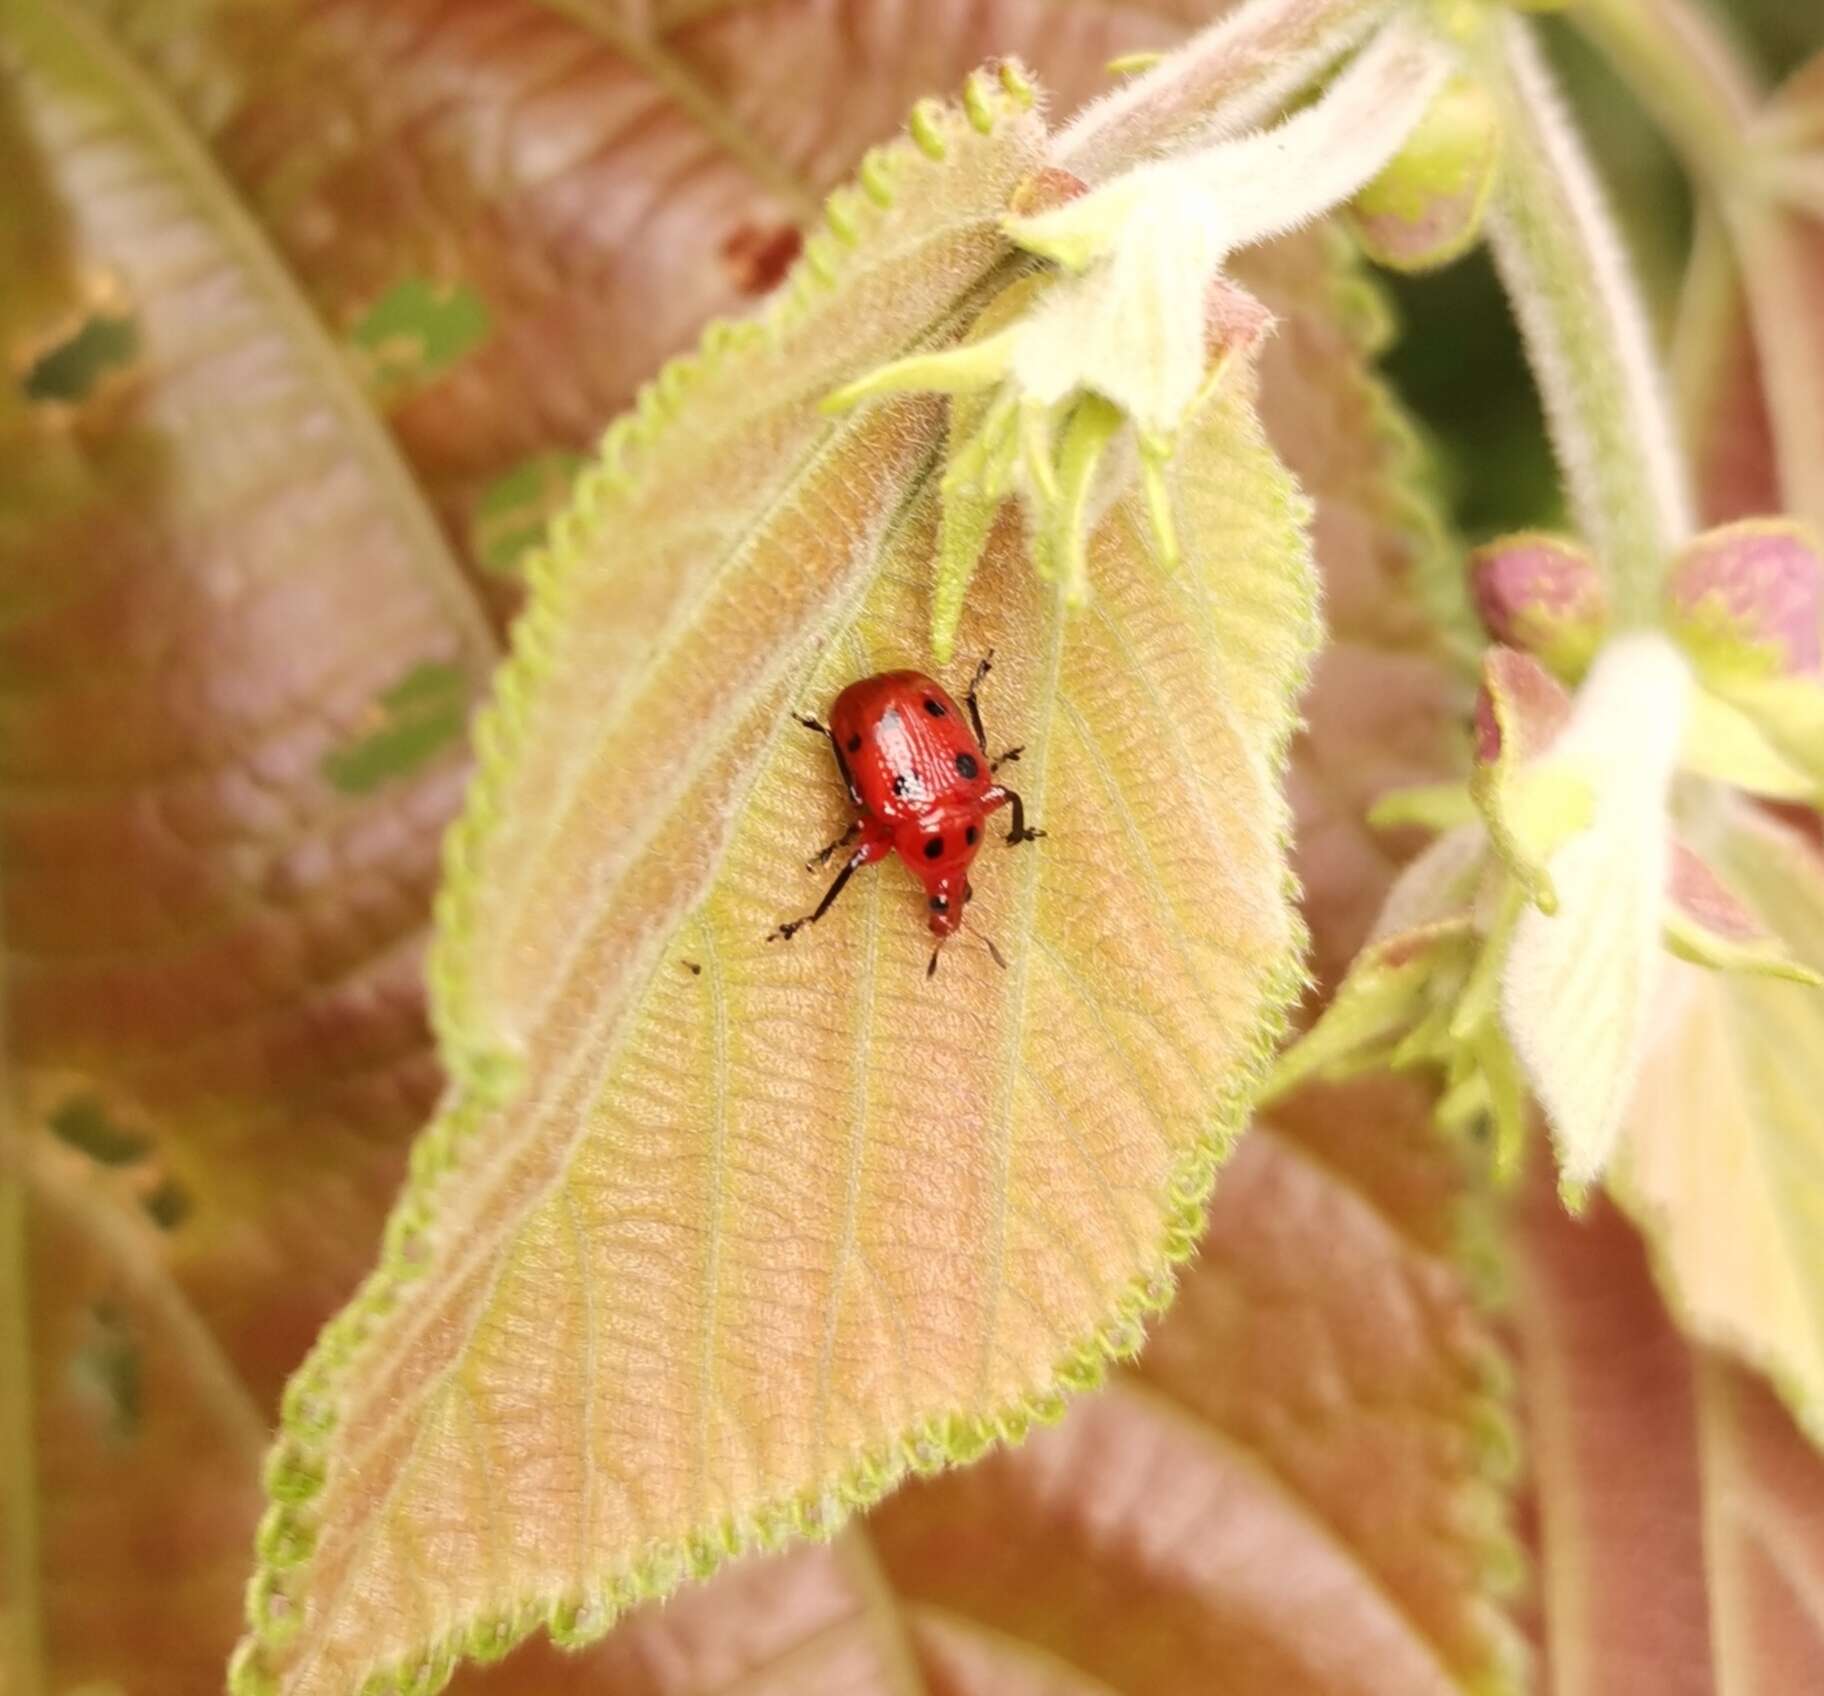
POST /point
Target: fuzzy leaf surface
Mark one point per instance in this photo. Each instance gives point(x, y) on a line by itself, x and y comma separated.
point(693, 1260)
point(1286, 1401)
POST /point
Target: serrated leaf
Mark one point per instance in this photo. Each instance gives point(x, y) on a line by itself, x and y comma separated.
point(1722, 1158)
point(952, 1265)
point(1235, 1512)
point(1284, 1311)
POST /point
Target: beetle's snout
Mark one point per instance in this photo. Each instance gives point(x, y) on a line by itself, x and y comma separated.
point(946, 899)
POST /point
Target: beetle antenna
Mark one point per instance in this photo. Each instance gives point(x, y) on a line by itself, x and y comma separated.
point(931, 970)
point(988, 943)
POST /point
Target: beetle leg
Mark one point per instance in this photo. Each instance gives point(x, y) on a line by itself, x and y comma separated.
point(1000, 797)
point(872, 848)
point(1008, 758)
point(822, 856)
point(810, 723)
point(975, 706)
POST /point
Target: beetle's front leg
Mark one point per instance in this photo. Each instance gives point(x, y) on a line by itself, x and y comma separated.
point(1001, 797)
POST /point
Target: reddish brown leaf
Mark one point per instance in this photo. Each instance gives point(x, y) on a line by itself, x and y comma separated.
point(147, 1451)
point(219, 575)
point(1681, 1514)
point(603, 177)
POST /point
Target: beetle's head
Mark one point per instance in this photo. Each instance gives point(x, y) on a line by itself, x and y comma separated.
point(946, 894)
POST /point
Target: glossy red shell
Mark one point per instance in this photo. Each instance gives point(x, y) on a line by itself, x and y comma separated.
point(917, 775)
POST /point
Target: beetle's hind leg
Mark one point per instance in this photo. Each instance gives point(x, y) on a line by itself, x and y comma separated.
point(872, 848)
point(822, 856)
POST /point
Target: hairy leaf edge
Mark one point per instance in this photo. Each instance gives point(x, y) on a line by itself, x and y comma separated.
point(297, 1466)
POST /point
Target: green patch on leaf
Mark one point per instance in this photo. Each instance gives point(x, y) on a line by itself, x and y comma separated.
point(86, 1125)
point(512, 512)
point(69, 372)
point(106, 1372)
point(423, 712)
point(418, 330)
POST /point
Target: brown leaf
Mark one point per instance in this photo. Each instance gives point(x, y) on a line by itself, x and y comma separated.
point(1750, 343)
point(1680, 1512)
point(1322, 1390)
point(217, 574)
point(817, 1621)
point(603, 177)
point(145, 1456)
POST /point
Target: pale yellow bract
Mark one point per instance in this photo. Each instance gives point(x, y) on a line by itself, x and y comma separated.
point(717, 1238)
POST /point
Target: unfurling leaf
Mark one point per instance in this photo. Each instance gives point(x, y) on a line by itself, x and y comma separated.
point(1721, 1161)
point(1544, 595)
point(699, 1259)
point(1578, 987)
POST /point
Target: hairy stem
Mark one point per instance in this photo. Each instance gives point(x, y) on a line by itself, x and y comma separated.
point(1685, 70)
point(1237, 74)
point(1585, 330)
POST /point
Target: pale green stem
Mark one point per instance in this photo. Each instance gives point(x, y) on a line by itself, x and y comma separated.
point(1238, 74)
point(1686, 72)
point(1586, 333)
point(1684, 69)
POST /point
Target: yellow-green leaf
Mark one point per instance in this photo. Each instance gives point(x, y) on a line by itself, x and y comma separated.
point(718, 1237)
point(1722, 1158)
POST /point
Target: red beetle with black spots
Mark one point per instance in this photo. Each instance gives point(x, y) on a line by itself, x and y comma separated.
point(921, 784)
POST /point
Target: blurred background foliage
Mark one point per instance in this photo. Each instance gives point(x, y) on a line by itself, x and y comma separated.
point(1459, 362)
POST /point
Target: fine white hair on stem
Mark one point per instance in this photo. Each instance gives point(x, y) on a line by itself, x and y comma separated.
point(1236, 75)
point(1274, 182)
point(1586, 332)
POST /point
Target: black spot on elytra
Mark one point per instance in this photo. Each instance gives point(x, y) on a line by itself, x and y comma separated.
point(934, 848)
point(934, 706)
point(855, 743)
point(970, 834)
point(939, 903)
point(965, 763)
point(901, 783)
